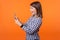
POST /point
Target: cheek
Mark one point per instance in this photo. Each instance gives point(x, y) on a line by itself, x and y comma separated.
point(32, 10)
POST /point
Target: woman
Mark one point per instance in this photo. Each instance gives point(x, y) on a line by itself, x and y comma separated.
point(31, 27)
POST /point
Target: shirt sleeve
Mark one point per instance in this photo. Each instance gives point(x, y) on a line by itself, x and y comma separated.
point(31, 28)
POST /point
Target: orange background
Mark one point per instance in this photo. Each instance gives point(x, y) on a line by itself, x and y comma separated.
point(50, 29)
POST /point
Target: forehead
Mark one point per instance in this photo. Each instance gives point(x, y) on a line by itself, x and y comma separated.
point(32, 7)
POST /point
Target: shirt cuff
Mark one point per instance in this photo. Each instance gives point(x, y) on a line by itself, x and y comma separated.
point(21, 26)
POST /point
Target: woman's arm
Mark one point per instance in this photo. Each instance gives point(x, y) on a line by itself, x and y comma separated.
point(31, 28)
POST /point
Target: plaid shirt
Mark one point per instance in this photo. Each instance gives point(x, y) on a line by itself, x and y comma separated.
point(31, 27)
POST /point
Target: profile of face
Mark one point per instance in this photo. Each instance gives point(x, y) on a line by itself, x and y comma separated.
point(33, 10)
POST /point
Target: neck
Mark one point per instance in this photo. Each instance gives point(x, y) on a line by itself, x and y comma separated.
point(35, 16)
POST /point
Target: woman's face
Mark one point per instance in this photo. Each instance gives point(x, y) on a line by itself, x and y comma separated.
point(33, 10)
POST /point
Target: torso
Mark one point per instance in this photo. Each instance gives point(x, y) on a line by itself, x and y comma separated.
point(35, 35)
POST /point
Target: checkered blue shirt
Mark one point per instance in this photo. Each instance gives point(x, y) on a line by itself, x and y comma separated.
point(31, 27)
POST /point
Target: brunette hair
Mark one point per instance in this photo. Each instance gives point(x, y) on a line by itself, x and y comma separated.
point(38, 7)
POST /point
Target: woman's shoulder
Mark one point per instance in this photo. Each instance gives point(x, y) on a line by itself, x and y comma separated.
point(35, 18)
point(39, 19)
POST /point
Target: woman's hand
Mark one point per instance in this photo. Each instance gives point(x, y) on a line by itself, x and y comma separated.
point(17, 20)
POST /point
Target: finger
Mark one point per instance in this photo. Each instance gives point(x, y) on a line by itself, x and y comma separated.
point(15, 17)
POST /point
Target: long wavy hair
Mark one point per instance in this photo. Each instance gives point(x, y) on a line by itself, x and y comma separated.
point(38, 7)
